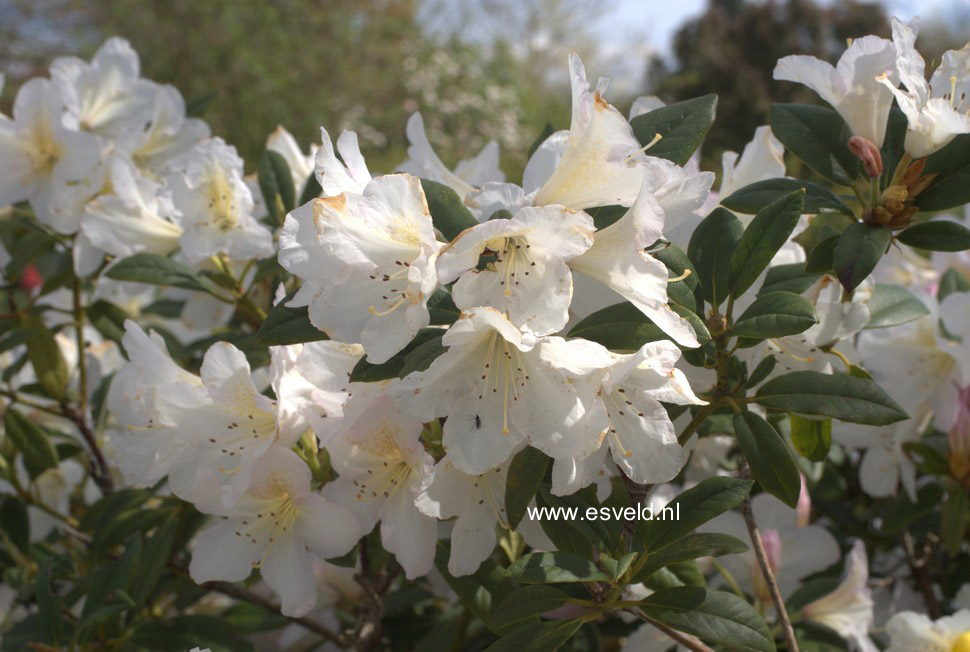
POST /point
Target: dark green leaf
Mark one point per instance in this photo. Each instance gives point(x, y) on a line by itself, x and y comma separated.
point(722, 618)
point(284, 325)
point(775, 314)
point(953, 520)
point(693, 508)
point(527, 602)
point(482, 591)
point(822, 258)
point(555, 568)
point(45, 356)
point(276, 185)
point(449, 215)
point(421, 357)
point(620, 327)
point(32, 442)
point(762, 371)
point(892, 305)
point(838, 396)
point(812, 438)
point(951, 187)
point(442, 308)
point(938, 235)
point(526, 471)
point(763, 237)
point(603, 216)
point(772, 464)
point(48, 603)
point(788, 278)
point(14, 522)
point(676, 598)
point(537, 637)
point(858, 251)
point(368, 372)
point(753, 197)
point(952, 281)
point(108, 319)
point(311, 189)
point(158, 270)
point(195, 107)
point(158, 549)
point(819, 137)
point(711, 247)
point(700, 544)
point(682, 127)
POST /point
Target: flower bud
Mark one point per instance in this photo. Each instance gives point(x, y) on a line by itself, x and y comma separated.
point(772, 543)
point(958, 453)
point(868, 153)
point(803, 510)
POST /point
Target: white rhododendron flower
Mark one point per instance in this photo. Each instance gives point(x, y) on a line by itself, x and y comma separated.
point(936, 110)
point(618, 260)
point(169, 134)
point(848, 609)
point(367, 262)
point(498, 389)
point(383, 468)
point(467, 175)
point(106, 96)
point(217, 206)
point(478, 502)
point(915, 631)
point(275, 526)
point(138, 215)
point(851, 87)
point(529, 279)
point(348, 173)
point(41, 157)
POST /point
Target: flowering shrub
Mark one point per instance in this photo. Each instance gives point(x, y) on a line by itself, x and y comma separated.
point(434, 409)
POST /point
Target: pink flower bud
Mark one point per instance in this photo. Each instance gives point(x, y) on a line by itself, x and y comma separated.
point(868, 153)
point(31, 279)
point(803, 510)
point(959, 439)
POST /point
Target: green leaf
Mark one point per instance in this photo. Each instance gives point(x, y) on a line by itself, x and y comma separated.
point(48, 602)
point(953, 520)
point(158, 270)
point(952, 281)
point(762, 371)
point(693, 508)
point(537, 637)
point(368, 372)
point(527, 602)
point(700, 544)
point(710, 250)
point(938, 235)
point(482, 591)
point(722, 618)
point(677, 598)
point(683, 573)
point(276, 184)
point(788, 278)
point(753, 197)
point(764, 236)
point(45, 356)
point(157, 551)
point(421, 357)
point(682, 127)
point(679, 266)
point(284, 325)
point(819, 137)
point(32, 442)
point(856, 400)
point(812, 438)
point(772, 464)
point(555, 568)
point(951, 187)
point(620, 327)
point(526, 471)
point(775, 314)
point(196, 107)
point(603, 216)
point(442, 308)
point(822, 258)
point(892, 305)
point(311, 189)
point(108, 319)
point(249, 618)
point(858, 251)
point(448, 213)
point(14, 521)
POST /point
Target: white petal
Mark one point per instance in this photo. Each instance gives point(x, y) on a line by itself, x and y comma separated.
point(287, 570)
point(329, 530)
point(409, 534)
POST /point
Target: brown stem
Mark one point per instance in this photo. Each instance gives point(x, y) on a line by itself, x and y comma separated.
point(638, 494)
point(99, 465)
point(688, 641)
point(769, 575)
point(917, 567)
point(244, 594)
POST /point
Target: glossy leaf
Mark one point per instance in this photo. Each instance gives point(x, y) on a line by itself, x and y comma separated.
point(892, 305)
point(775, 314)
point(937, 235)
point(682, 127)
point(858, 251)
point(448, 213)
point(839, 396)
point(526, 471)
point(753, 197)
point(819, 137)
point(710, 250)
point(772, 464)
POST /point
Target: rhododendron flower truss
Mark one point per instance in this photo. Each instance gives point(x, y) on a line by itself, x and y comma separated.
point(367, 262)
